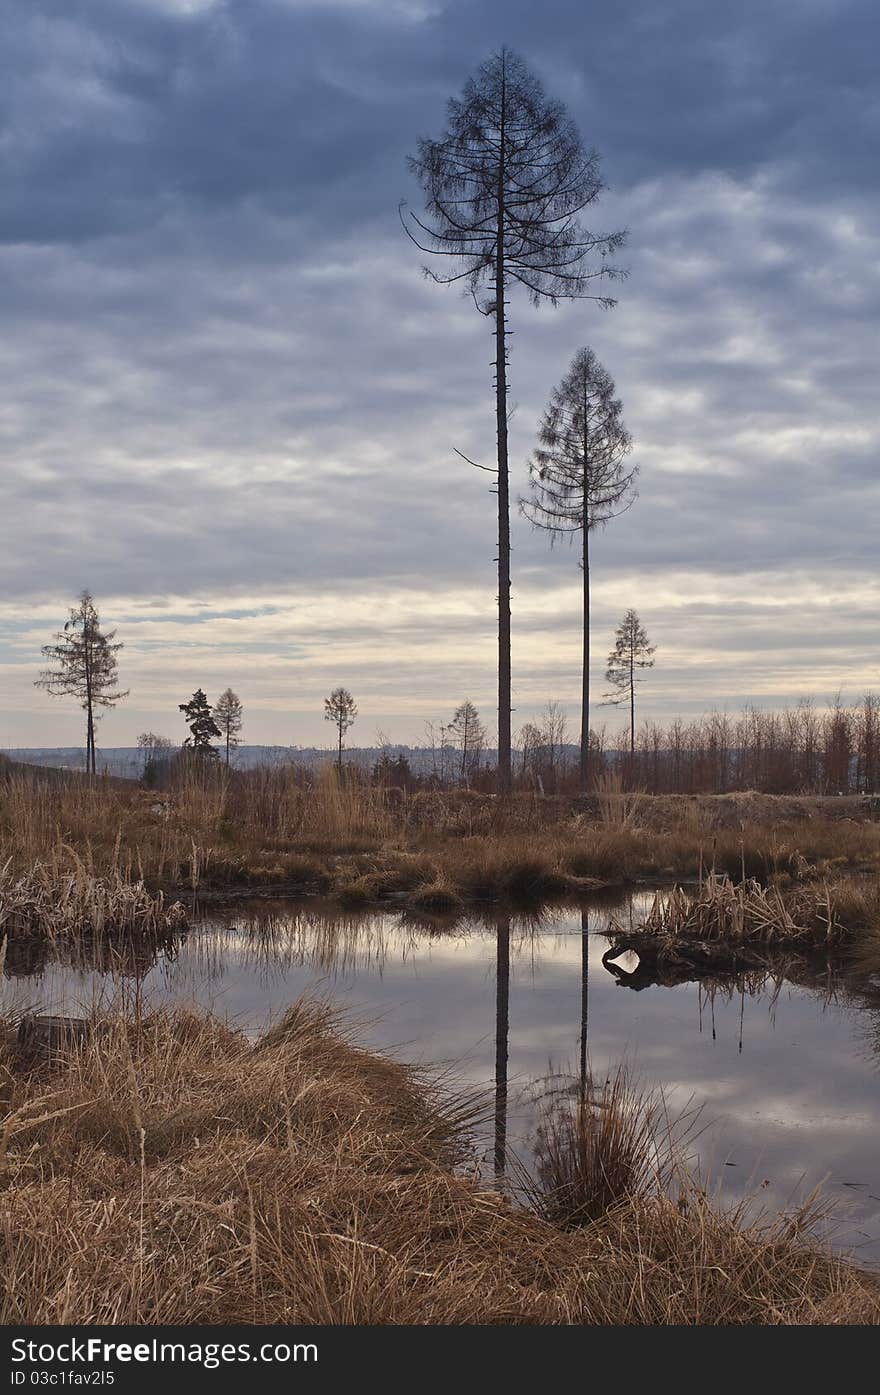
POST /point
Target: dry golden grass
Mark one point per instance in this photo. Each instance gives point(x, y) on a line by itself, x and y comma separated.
point(57, 905)
point(435, 897)
point(215, 831)
point(738, 924)
point(857, 904)
point(744, 912)
point(170, 1171)
point(615, 1143)
point(728, 925)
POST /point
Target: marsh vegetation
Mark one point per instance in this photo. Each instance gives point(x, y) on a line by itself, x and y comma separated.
point(213, 831)
point(174, 1171)
point(121, 1162)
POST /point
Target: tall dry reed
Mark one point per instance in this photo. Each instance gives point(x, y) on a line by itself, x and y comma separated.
point(64, 906)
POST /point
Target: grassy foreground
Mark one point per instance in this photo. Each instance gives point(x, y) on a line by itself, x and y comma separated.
point(170, 1171)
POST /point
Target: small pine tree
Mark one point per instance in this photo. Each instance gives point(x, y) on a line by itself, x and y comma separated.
point(341, 709)
point(200, 720)
point(631, 652)
point(579, 482)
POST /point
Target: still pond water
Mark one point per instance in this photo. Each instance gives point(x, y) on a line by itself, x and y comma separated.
point(787, 1074)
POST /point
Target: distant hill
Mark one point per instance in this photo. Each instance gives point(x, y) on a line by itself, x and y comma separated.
point(128, 761)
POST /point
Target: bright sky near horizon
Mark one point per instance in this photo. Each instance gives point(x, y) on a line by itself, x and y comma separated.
point(230, 400)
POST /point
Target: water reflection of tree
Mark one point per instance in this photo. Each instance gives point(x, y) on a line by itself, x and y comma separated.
point(832, 978)
point(502, 1034)
point(585, 996)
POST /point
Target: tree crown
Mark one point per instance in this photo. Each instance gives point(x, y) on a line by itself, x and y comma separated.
point(340, 708)
point(83, 660)
point(577, 474)
point(466, 726)
point(228, 714)
point(200, 720)
point(631, 652)
point(510, 173)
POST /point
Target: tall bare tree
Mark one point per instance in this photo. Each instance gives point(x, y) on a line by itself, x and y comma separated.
point(228, 716)
point(505, 186)
point(341, 709)
point(83, 665)
point(631, 653)
point(579, 481)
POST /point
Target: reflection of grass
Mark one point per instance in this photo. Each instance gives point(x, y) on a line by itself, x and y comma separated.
point(173, 1172)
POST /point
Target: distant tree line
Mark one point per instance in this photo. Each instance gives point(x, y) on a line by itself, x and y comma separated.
point(801, 749)
point(798, 750)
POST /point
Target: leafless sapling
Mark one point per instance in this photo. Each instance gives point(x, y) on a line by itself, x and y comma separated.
point(155, 749)
point(468, 733)
point(553, 731)
point(579, 481)
point(529, 746)
point(228, 716)
point(505, 187)
point(83, 665)
point(631, 653)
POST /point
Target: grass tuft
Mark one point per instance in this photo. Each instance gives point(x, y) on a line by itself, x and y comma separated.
point(435, 897)
point(615, 1144)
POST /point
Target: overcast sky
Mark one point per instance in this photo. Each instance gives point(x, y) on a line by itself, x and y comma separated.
point(229, 400)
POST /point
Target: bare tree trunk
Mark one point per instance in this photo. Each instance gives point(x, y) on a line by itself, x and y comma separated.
point(632, 704)
point(502, 1031)
point(504, 773)
point(339, 751)
point(585, 997)
point(90, 710)
point(585, 683)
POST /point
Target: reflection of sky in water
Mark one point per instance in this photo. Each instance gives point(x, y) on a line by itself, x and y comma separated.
point(798, 1103)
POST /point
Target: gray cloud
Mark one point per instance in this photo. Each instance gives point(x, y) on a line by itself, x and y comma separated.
point(225, 378)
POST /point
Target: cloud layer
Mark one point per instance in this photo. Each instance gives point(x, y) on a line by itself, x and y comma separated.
point(230, 400)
